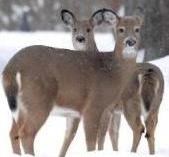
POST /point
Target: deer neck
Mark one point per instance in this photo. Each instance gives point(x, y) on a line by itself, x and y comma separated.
point(92, 45)
point(119, 54)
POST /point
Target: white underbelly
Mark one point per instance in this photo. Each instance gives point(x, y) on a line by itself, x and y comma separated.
point(63, 111)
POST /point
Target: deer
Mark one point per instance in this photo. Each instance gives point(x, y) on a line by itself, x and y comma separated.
point(141, 97)
point(149, 85)
point(83, 40)
point(151, 74)
point(40, 79)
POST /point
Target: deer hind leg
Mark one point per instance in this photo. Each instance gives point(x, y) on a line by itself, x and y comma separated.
point(114, 130)
point(71, 129)
point(151, 123)
point(14, 136)
point(103, 127)
point(138, 129)
point(29, 124)
point(133, 118)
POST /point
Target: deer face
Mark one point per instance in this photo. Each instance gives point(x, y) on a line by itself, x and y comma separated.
point(82, 30)
point(127, 32)
point(128, 35)
point(82, 34)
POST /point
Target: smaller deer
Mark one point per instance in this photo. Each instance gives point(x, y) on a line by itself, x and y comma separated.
point(82, 30)
point(82, 39)
point(142, 97)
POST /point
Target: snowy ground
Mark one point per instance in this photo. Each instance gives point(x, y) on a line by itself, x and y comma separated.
point(50, 137)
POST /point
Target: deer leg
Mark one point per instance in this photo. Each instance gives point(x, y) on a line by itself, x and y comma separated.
point(71, 129)
point(14, 136)
point(114, 130)
point(151, 123)
point(137, 127)
point(91, 125)
point(103, 129)
point(28, 128)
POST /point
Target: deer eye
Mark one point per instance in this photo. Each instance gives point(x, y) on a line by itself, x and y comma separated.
point(88, 30)
point(121, 30)
point(75, 30)
point(137, 30)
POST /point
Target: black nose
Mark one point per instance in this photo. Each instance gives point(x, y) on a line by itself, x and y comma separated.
point(130, 42)
point(80, 39)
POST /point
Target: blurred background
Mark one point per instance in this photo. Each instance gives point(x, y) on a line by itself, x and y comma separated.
point(35, 15)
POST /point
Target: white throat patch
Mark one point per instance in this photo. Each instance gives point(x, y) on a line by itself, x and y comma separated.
point(80, 46)
point(129, 52)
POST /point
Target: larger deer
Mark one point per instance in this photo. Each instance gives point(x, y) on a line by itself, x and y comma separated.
point(40, 78)
point(151, 79)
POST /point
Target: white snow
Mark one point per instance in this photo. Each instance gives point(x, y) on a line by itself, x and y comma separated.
point(50, 137)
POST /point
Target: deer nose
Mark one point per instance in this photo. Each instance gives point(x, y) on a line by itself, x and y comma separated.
point(131, 42)
point(80, 39)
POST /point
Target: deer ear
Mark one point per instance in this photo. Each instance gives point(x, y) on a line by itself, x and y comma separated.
point(97, 18)
point(67, 17)
point(110, 17)
point(140, 20)
point(140, 14)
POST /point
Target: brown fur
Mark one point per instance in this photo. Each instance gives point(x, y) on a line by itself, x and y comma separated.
point(90, 40)
point(150, 89)
point(78, 81)
point(81, 27)
point(70, 80)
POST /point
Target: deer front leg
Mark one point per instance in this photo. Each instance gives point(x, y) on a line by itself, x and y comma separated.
point(103, 127)
point(114, 130)
point(14, 136)
point(151, 123)
point(71, 129)
point(91, 124)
